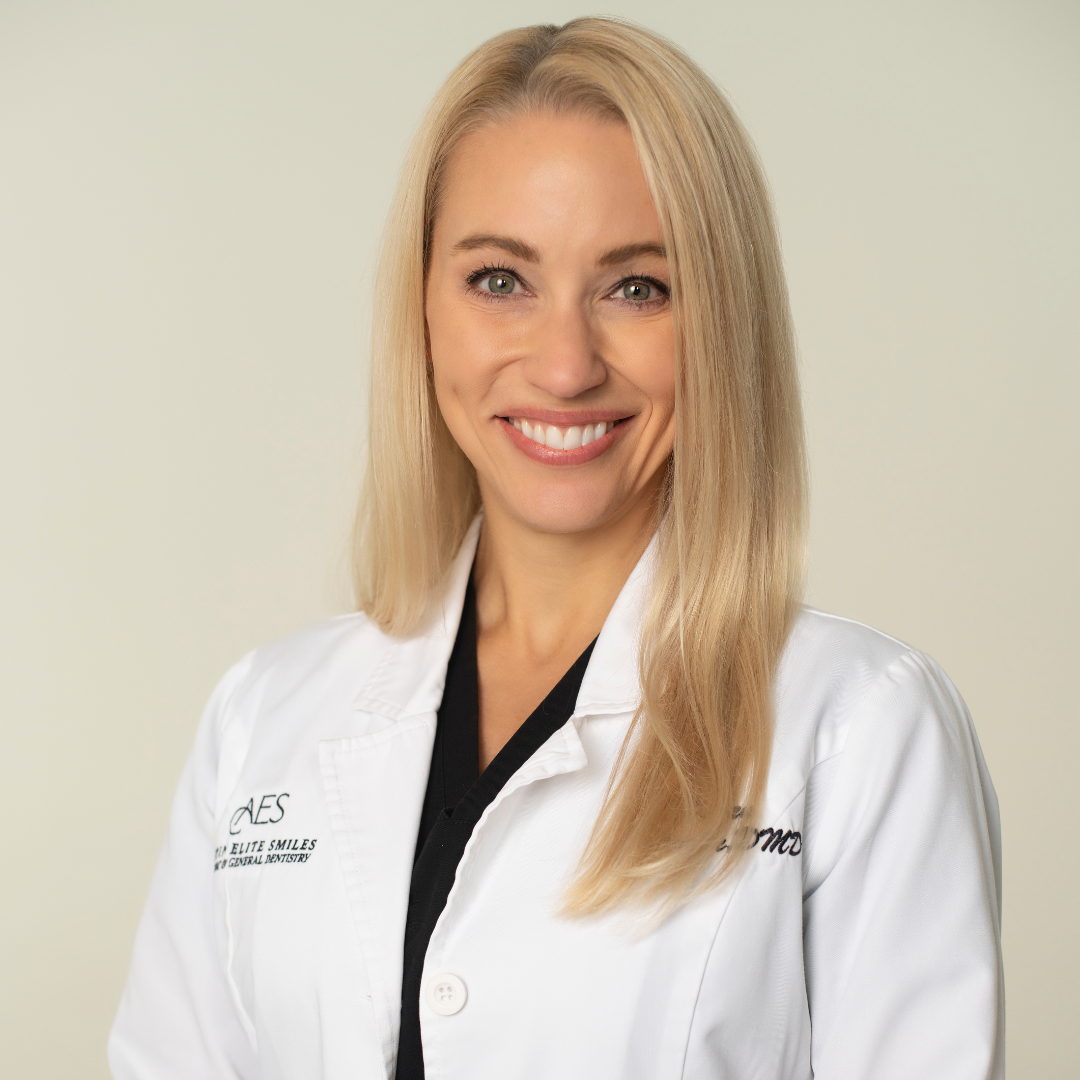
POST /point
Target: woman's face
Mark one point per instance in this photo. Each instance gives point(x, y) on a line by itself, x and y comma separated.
point(549, 321)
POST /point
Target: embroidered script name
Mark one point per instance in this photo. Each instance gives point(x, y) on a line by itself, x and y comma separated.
point(780, 841)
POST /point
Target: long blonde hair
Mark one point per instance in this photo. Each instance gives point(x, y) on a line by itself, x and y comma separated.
point(731, 535)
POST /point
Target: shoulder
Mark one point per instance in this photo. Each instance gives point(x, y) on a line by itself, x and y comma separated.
point(835, 673)
point(271, 697)
point(887, 754)
point(347, 647)
point(875, 731)
point(330, 660)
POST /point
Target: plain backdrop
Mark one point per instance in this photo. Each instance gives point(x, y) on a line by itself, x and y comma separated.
point(190, 200)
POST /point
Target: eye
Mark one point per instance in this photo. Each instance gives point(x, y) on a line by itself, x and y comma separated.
point(500, 284)
point(640, 291)
point(637, 290)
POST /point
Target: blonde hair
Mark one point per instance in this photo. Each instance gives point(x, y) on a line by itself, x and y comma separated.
point(728, 577)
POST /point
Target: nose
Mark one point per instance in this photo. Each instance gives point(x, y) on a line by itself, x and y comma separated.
point(563, 357)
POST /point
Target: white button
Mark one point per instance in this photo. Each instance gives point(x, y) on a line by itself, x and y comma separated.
point(446, 994)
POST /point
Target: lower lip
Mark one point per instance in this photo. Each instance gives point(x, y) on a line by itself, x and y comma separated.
point(547, 456)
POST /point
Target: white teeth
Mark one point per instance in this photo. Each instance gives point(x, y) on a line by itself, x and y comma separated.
point(555, 438)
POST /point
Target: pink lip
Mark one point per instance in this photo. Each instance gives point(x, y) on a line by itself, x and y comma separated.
point(565, 418)
point(547, 456)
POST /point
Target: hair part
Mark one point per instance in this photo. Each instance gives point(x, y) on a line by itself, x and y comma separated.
point(732, 519)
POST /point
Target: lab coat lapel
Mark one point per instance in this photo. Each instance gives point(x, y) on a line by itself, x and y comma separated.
point(611, 683)
point(375, 785)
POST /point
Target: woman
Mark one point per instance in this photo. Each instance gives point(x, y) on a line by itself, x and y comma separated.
point(582, 792)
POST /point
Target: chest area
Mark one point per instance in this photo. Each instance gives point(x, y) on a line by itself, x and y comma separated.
point(313, 859)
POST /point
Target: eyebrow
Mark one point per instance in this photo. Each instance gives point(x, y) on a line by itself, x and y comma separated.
point(632, 251)
point(520, 250)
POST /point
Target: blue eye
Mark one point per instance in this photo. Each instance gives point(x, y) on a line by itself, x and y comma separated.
point(500, 283)
point(637, 290)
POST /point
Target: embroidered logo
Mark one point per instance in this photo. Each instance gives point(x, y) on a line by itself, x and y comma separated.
point(268, 810)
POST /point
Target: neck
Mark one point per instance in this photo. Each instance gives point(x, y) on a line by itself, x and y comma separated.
point(550, 593)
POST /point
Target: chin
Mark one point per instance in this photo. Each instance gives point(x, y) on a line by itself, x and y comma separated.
point(554, 510)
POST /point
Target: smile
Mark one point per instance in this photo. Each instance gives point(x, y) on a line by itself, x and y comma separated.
point(564, 444)
point(562, 438)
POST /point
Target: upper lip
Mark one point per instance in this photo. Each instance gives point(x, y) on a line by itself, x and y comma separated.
point(565, 418)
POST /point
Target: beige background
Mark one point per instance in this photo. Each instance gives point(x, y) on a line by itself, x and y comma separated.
point(189, 199)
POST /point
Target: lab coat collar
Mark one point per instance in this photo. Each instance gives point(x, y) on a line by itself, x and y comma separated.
point(611, 682)
point(410, 678)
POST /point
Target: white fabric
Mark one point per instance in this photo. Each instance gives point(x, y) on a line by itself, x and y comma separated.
point(861, 942)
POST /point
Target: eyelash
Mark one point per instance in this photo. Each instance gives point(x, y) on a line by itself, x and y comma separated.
point(487, 271)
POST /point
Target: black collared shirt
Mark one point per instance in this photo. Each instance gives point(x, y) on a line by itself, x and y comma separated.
point(457, 794)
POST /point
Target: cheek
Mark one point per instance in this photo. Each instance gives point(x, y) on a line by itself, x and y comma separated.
point(456, 351)
point(447, 351)
point(459, 343)
point(649, 363)
point(662, 383)
point(440, 334)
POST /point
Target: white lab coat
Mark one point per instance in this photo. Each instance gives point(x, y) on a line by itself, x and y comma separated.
point(860, 942)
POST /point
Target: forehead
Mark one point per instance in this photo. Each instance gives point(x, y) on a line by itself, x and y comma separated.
point(551, 180)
